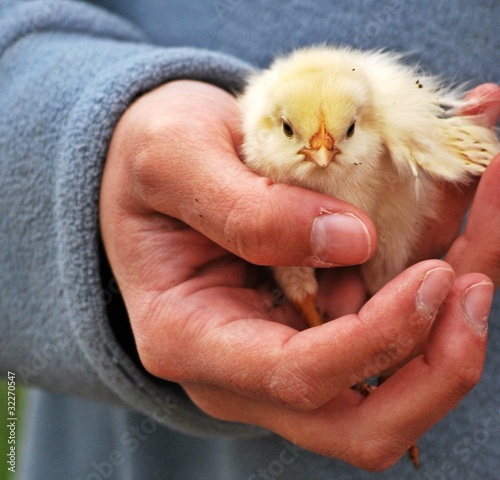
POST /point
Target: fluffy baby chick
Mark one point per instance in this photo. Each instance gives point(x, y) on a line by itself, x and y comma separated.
point(369, 130)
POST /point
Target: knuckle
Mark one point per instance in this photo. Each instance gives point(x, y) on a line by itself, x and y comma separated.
point(373, 456)
point(461, 379)
point(384, 347)
point(148, 147)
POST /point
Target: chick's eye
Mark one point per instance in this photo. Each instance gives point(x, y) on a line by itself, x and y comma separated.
point(287, 128)
point(350, 130)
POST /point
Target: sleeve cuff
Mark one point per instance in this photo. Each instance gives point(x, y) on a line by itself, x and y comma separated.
point(79, 166)
point(68, 73)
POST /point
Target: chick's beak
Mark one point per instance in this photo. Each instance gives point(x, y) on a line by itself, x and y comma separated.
point(321, 148)
point(321, 156)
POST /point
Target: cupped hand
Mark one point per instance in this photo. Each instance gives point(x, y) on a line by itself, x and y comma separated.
point(181, 217)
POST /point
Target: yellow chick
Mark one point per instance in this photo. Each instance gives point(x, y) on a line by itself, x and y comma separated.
point(367, 129)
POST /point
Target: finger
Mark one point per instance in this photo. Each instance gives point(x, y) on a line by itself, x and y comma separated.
point(374, 432)
point(301, 370)
point(194, 174)
point(484, 101)
point(478, 248)
point(427, 388)
point(341, 291)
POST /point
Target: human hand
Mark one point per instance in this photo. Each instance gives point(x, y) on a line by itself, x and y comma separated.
point(477, 249)
point(484, 101)
point(177, 205)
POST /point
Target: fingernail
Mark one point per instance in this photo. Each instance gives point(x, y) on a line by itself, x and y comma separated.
point(433, 290)
point(476, 305)
point(340, 239)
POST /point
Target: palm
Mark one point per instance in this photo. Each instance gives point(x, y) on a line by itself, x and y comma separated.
point(182, 218)
point(205, 278)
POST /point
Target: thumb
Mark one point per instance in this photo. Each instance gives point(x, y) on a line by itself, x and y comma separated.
point(188, 169)
point(277, 224)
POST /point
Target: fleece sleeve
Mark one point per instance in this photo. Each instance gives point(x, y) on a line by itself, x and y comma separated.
point(67, 73)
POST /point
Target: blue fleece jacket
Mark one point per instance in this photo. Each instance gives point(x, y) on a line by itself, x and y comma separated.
point(68, 70)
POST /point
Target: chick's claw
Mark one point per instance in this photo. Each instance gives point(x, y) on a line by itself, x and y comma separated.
point(414, 454)
point(364, 388)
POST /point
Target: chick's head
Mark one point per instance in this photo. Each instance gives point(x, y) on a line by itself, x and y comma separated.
point(310, 120)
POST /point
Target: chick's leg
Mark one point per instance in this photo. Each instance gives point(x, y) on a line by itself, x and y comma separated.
point(300, 286)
